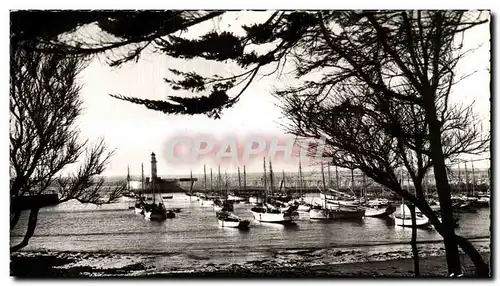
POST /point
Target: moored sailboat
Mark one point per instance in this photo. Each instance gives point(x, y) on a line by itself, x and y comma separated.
point(403, 218)
point(319, 212)
point(228, 219)
point(333, 209)
point(223, 204)
point(380, 211)
point(271, 213)
point(255, 200)
point(139, 205)
point(206, 201)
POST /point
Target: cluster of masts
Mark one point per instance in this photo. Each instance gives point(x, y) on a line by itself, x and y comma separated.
point(271, 206)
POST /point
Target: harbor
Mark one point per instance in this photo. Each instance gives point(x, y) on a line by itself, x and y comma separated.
point(193, 234)
point(194, 242)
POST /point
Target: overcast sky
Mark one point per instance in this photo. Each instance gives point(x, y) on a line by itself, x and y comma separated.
point(136, 131)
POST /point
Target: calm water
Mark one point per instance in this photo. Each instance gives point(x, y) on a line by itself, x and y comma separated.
point(195, 234)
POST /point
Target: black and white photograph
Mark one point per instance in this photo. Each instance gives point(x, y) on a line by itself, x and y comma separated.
point(272, 143)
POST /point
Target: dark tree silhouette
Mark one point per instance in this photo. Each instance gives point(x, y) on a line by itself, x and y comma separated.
point(122, 37)
point(380, 136)
point(44, 105)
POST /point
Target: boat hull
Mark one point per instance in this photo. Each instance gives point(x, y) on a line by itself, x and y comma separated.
point(332, 214)
point(275, 217)
point(406, 222)
point(331, 200)
point(235, 198)
point(403, 218)
point(255, 200)
point(234, 224)
point(380, 212)
point(320, 214)
point(205, 202)
point(156, 216)
point(483, 202)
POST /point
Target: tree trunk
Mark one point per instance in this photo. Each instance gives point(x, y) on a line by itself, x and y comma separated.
point(15, 219)
point(30, 230)
point(482, 268)
point(414, 240)
point(443, 187)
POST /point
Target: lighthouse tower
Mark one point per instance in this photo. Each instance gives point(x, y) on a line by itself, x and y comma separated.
point(153, 167)
point(153, 175)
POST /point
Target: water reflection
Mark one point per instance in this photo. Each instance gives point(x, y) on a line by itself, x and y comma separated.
point(196, 228)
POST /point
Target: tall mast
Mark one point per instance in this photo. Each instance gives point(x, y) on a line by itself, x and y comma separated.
point(191, 176)
point(301, 182)
point(271, 178)
point(364, 186)
point(337, 177)
point(352, 179)
point(323, 176)
point(244, 178)
point(211, 182)
point(192, 183)
point(324, 183)
point(128, 178)
point(283, 178)
point(466, 180)
point(265, 181)
point(473, 179)
point(239, 181)
point(225, 174)
point(142, 178)
point(205, 176)
point(459, 178)
point(329, 176)
point(219, 182)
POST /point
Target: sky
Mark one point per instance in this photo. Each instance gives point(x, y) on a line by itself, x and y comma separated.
point(136, 131)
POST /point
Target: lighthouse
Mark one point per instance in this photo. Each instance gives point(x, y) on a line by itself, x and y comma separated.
point(153, 167)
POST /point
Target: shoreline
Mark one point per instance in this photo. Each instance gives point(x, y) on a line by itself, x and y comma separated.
point(45, 264)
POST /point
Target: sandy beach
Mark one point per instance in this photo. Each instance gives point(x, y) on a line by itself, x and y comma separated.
point(83, 265)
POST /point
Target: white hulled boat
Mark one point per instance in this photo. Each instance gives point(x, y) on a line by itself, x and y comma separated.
point(317, 212)
point(483, 200)
point(337, 201)
point(139, 207)
point(235, 198)
point(269, 213)
point(205, 201)
point(254, 200)
point(379, 211)
point(403, 217)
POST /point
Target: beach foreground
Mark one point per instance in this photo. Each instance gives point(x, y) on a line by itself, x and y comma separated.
point(73, 265)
